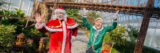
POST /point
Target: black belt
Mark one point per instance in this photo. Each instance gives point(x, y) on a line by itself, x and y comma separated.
point(90, 50)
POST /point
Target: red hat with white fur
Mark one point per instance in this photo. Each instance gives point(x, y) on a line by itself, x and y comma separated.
point(60, 10)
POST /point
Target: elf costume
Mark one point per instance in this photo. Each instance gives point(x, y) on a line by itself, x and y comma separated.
point(96, 36)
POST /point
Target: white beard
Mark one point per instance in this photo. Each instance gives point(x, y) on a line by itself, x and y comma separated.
point(54, 17)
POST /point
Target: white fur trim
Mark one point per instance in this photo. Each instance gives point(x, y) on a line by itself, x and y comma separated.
point(60, 10)
point(85, 16)
point(96, 35)
point(54, 17)
point(72, 27)
point(64, 37)
point(39, 27)
point(99, 29)
point(52, 30)
point(73, 37)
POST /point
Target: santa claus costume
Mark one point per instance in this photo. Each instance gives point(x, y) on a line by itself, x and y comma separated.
point(62, 30)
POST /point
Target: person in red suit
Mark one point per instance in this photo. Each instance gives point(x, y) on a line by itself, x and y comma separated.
point(62, 28)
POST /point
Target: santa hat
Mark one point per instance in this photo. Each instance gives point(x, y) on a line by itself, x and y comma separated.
point(60, 10)
point(54, 17)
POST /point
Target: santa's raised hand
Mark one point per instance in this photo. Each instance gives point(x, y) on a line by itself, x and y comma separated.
point(38, 18)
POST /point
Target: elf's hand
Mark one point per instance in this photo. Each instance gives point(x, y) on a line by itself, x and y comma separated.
point(115, 18)
point(115, 15)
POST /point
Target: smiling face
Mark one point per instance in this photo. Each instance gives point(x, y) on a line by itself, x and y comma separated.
point(98, 23)
point(60, 15)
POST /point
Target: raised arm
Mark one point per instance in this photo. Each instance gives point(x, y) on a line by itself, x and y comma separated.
point(39, 23)
point(110, 28)
point(85, 23)
point(41, 28)
point(114, 25)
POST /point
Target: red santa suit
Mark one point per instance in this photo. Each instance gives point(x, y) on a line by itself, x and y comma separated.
point(62, 30)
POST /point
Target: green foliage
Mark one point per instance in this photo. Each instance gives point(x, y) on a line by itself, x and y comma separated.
point(33, 33)
point(30, 48)
point(129, 46)
point(149, 50)
point(72, 0)
point(30, 31)
point(7, 37)
point(107, 38)
point(114, 51)
point(118, 35)
point(19, 23)
point(17, 13)
point(133, 33)
point(93, 14)
point(2, 3)
point(6, 12)
point(47, 45)
point(115, 36)
point(74, 14)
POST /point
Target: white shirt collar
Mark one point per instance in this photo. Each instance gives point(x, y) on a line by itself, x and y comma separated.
point(98, 29)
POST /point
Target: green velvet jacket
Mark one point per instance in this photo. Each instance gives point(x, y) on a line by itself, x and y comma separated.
point(96, 43)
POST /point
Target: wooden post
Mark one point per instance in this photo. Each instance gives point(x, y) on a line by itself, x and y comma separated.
point(144, 26)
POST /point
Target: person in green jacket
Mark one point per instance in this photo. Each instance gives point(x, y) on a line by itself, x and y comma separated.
point(97, 33)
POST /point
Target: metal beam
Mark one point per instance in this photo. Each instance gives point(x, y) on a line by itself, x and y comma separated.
point(103, 7)
point(144, 26)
